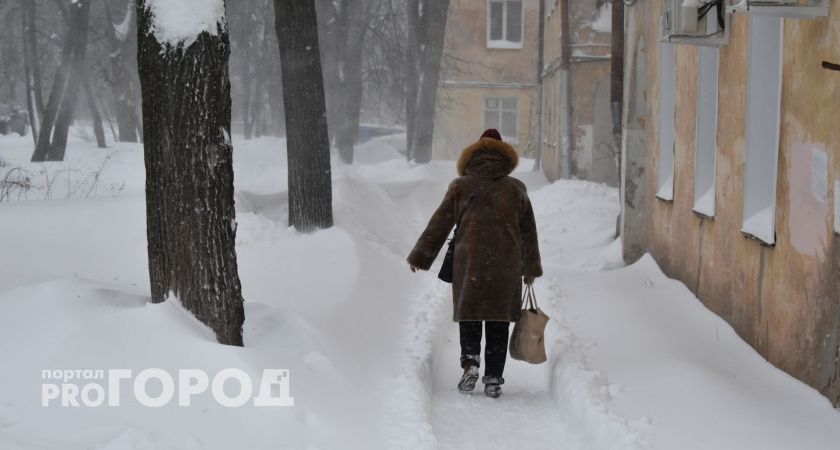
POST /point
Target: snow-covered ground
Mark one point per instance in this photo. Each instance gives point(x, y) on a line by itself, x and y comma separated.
point(635, 360)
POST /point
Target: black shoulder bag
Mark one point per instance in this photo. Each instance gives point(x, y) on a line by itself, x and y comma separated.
point(445, 273)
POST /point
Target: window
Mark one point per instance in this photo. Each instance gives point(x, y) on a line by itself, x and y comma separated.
point(706, 139)
point(837, 207)
point(502, 113)
point(799, 9)
point(667, 86)
point(549, 7)
point(764, 96)
point(504, 23)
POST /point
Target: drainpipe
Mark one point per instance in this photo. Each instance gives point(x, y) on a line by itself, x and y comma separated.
point(617, 92)
point(617, 77)
point(565, 161)
point(540, 63)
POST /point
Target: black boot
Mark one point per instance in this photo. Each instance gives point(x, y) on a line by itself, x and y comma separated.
point(493, 386)
point(470, 376)
point(467, 383)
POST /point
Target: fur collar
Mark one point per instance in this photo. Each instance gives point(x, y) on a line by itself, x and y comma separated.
point(502, 149)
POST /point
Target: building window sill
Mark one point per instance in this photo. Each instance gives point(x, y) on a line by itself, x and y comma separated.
point(504, 45)
point(759, 240)
point(666, 193)
point(703, 215)
point(760, 226)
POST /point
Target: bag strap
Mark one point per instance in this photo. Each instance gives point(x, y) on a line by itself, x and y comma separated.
point(470, 200)
point(529, 298)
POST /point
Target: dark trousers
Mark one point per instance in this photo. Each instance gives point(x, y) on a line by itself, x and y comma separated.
point(495, 350)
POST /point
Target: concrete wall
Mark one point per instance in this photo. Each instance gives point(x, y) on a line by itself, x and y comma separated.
point(471, 71)
point(634, 146)
point(783, 300)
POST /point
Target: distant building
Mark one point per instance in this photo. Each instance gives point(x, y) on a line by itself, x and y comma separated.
point(489, 79)
point(732, 171)
point(489, 74)
point(594, 153)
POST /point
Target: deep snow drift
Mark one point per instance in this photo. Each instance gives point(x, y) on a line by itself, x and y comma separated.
point(635, 360)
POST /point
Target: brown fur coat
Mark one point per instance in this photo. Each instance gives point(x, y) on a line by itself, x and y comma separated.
point(497, 238)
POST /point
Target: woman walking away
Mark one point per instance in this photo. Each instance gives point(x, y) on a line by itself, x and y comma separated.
point(495, 250)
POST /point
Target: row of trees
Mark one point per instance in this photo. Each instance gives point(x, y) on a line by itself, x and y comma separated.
point(189, 159)
point(56, 54)
point(62, 58)
point(188, 152)
point(312, 71)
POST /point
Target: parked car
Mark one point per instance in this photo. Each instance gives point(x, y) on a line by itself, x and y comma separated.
point(13, 119)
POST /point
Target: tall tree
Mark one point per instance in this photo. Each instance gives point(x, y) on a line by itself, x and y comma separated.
point(98, 130)
point(58, 115)
point(255, 64)
point(307, 137)
point(327, 14)
point(190, 216)
point(383, 62)
point(343, 26)
point(122, 73)
point(412, 70)
point(426, 27)
point(32, 67)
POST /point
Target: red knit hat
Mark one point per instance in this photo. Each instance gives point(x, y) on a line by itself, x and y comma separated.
point(492, 133)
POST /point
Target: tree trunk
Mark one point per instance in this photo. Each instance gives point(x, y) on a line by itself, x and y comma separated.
point(32, 68)
point(98, 130)
point(329, 16)
point(351, 38)
point(307, 138)
point(190, 216)
point(433, 23)
point(272, 119)
point(121, 75)
point(55, 125)
point(247, 87)
point(412, 71)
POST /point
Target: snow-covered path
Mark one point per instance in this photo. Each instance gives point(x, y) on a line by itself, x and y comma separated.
point(525, 416)
point(576, 221)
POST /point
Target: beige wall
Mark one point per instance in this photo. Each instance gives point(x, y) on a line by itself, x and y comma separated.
point(784, 300)
point(466, 56)
point(460, 120)
point(471, 72)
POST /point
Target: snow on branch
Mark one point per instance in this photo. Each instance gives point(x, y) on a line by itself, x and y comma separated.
point(181, 21)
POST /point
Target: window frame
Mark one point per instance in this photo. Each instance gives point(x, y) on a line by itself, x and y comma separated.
point(550, 5)
point(667, 130)
point(705, 148)
point(484, 113)
point(759, 219)
point(504, 43)
point(837, 206)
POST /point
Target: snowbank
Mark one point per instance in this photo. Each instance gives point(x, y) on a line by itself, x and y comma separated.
point(678, 373)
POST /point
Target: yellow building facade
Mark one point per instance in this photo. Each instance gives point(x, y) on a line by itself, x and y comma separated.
point(488, 75)
point(732, 177)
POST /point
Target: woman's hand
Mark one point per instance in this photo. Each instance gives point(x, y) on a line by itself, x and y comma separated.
point(528, 280)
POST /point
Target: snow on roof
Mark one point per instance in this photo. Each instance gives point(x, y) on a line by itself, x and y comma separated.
point(181, 21)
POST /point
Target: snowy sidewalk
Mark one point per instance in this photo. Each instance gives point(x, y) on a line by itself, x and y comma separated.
point(525, 416)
